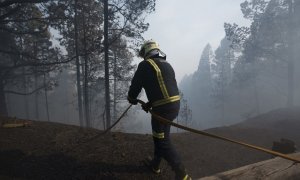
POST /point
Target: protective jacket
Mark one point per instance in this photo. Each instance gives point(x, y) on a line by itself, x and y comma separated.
point(157, 77)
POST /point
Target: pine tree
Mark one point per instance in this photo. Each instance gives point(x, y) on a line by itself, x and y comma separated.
point(198, 91)
point(222, 75)
point(28, 53)
point(269, 52)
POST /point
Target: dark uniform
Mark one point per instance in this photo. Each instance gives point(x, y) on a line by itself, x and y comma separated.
point(157, 77)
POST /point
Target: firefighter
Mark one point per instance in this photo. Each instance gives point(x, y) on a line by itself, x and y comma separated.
point(157, 77)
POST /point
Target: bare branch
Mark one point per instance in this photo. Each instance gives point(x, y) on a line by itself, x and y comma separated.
point(24, 94)
point(42, 20)
point(118, 9)
point(7, 3)
point(38, 64)
point(12, 11)
point(27, 32)
point(23, 54)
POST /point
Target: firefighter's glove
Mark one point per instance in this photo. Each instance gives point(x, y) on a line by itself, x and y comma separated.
point(132, 101)
point(146, 107)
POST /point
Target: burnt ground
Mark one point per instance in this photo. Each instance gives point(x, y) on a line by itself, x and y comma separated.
point(50, 150)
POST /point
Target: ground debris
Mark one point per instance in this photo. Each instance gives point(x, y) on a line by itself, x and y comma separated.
point(56, 151)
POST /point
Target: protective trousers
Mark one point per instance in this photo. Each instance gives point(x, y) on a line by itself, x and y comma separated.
point(163, 147)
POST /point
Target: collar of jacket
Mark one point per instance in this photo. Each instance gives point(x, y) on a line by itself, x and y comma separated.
point(156, 54)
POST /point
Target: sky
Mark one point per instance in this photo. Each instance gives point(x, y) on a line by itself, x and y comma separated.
point(183, 28)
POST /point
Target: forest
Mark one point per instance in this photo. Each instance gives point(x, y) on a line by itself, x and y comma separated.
point(66, 67)
point(56, 64)
point(254, 70)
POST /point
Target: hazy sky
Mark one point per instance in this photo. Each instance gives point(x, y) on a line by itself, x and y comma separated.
point(183, 28)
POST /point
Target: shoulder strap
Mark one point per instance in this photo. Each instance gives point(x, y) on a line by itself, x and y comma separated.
point(159, 78)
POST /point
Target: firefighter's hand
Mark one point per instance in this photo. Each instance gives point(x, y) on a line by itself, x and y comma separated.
point(146, 107)
point(132, 101)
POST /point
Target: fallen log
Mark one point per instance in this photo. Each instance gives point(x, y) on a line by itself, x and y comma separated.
point(16, 125)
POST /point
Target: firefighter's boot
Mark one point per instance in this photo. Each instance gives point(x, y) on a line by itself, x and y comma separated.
point(180, 173)
point(153, 165)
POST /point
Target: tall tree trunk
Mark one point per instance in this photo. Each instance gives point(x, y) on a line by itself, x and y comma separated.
point(186, 115)
point(86, 91)
point(26, 104)
point(291, 56)
point(107, 92)
point(36, 96)
point(79, 94)
point(86, 95)
point(82, 66)
point(230, 60)
point(255, 89)
point(257, 105)
point(3, 108)
point(290, 96)
point(46, 99)
point(115, 87)
point(8, 106)
point(222, 92)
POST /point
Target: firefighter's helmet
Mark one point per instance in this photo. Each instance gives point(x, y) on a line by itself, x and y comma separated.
point(147, 47)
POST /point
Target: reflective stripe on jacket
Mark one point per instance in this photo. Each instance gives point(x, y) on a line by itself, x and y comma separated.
point(157, 77)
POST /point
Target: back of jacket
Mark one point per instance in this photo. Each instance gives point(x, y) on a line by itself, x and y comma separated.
point(146, 77)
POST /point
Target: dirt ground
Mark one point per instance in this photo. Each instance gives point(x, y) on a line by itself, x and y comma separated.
point(56, 151)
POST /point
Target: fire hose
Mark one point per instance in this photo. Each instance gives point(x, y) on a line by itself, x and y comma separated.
point(166, 121)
